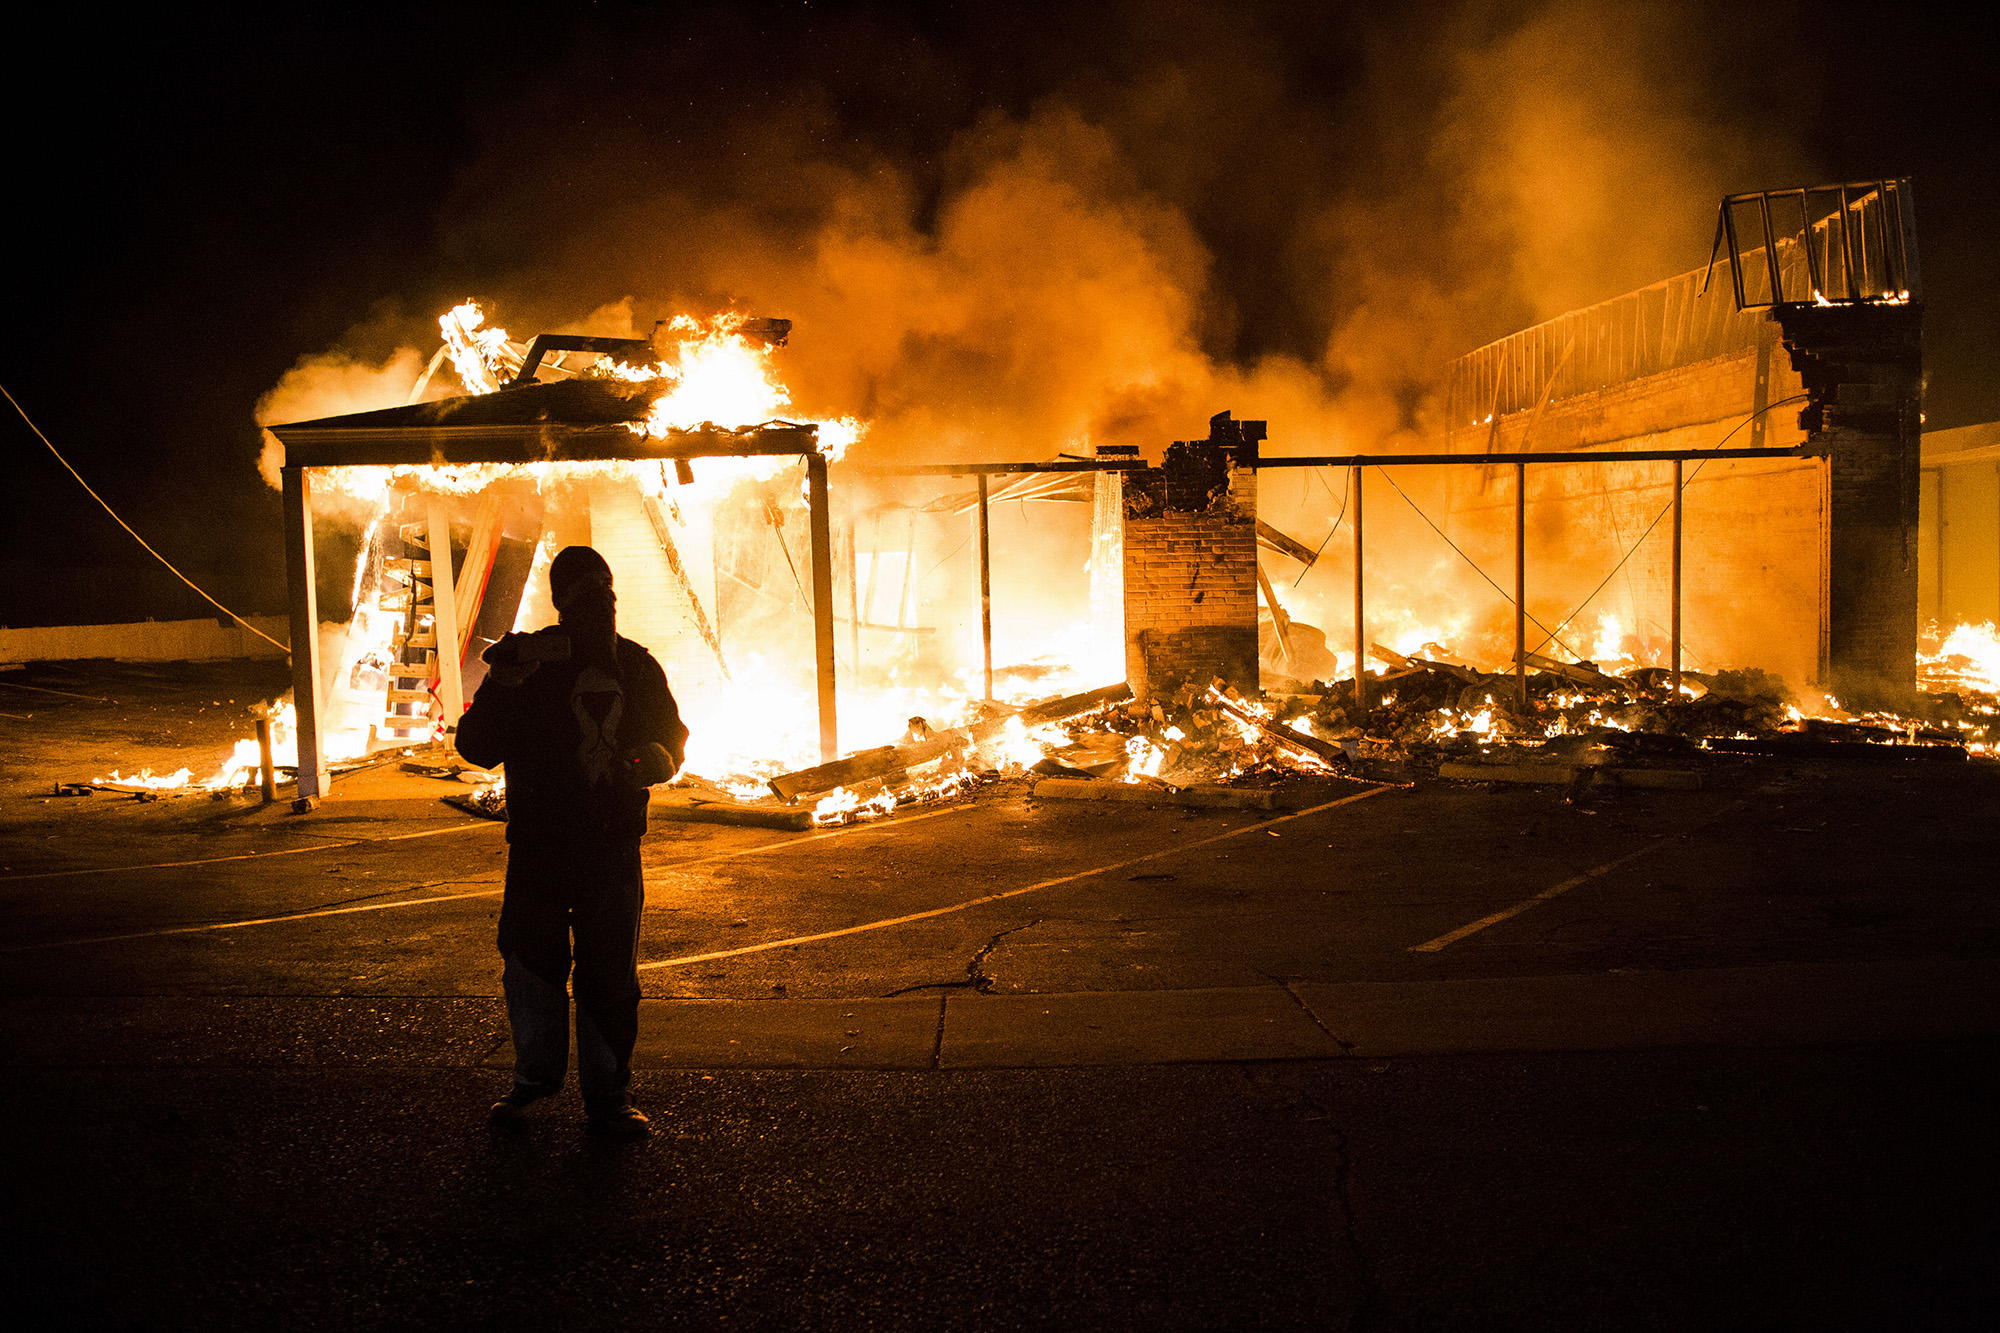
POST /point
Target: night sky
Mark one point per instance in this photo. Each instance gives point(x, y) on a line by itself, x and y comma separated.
point(199, 202)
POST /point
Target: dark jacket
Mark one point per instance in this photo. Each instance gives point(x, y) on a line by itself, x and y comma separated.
point(565, 736)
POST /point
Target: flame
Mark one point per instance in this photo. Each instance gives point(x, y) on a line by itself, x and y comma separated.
point(1969, 657)
point(714, 376)
point(717, 377)
point(1610, 641)
point(1143, 758)
point(243, 766)
point(478, 355)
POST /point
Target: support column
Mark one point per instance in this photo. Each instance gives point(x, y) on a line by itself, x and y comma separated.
point(304, 599)
point(822, 581)
point(985, 588)
point(444, 612)
point(1360, 618)
point(1678, 465)
point(1863, 368)
point(1521, 580)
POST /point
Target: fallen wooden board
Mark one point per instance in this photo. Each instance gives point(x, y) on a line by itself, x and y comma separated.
point(1201, 794)
point(886, 761)
point(1861, 752)
point(1657, 779)
point(1055, 710)
point(1460, 771)
point(1286, 545)
point(1574, 672)
point(1603, 775)
point(742, 816)
point(1415, 664)
point(1329, 751)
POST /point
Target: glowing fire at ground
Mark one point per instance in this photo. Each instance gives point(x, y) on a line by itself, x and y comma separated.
point(712, 375)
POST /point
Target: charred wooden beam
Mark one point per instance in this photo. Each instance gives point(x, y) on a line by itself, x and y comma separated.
point(1284, 736)
point(1284, 545)
point(1055, 710)
point(1863, 752)
point(1574, 672)
point(1412, 664)
point(1281, 624)
point(888, 761)
point(884, 761)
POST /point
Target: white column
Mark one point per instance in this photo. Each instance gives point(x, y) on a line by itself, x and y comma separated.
point(451, 682)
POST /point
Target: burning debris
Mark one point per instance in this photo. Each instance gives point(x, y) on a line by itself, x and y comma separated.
point(732, 571)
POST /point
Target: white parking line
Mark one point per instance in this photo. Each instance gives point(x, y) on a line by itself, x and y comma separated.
point(382, 907)
point(262, 920)
point(1432, 946)
point(1556, 891)
point(249, 856)
point(1177, 850)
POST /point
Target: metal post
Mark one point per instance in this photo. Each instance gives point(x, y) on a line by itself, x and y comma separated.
point(1521, 580)
point(1360, 619)
point(444, 612)
point(1677, 579)
point(270, 782)
point(304, 599)
point(985, 587)
point(822, 576)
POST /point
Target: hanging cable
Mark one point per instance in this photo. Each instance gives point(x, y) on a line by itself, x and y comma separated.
point(1504, 595)
point(135, 536)
point(1329, 532)
point(1795, 398)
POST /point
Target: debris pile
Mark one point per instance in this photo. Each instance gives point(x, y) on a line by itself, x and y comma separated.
point(1205, 743)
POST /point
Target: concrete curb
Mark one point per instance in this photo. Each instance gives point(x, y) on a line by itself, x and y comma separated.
point(1199, 795)
point(1782, 1004)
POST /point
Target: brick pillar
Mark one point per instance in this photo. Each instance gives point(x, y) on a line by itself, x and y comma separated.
point(1191, 563)
point(1863, 369)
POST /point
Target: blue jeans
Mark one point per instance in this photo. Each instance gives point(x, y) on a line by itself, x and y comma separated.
point(571, 916)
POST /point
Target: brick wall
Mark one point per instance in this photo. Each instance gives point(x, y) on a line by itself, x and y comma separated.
point(1863, 367)
point(1802, 568)
point(1190, 563)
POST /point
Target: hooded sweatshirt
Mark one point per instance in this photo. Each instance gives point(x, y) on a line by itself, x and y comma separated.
point(565, 733)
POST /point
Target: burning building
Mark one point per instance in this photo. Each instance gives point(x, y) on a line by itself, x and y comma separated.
point(1774, 417)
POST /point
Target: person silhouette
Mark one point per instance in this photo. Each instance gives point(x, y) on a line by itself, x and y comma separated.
point(582, 721)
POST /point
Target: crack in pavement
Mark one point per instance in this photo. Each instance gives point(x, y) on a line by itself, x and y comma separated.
point(1345, 1228)
point(975, 973)
point(1346, 1047)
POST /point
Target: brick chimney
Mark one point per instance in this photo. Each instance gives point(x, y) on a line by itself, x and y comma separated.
point(1191, 563)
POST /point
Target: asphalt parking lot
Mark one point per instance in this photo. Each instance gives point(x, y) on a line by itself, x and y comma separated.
point(1436, 1056)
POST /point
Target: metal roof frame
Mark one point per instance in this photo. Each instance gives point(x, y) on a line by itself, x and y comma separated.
point(569, 422)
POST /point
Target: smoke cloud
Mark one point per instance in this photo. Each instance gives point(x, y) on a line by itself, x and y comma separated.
point(1005, 235)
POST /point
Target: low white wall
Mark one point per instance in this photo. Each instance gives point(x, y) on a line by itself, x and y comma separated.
point(152, 641)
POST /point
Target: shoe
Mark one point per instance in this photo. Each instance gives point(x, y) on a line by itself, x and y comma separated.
point(512, 1110)
point(618, 1120)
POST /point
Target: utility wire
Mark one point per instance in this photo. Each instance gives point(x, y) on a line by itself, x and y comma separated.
point(1504, 594)
point(128, 527)
point(1795, 398)
point(1329, 532)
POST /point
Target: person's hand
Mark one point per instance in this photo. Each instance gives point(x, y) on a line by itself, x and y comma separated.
point(514, 657)
point(512, 674)
point(648, 764)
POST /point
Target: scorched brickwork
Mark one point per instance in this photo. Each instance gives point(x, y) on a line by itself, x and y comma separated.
point(1191, 563)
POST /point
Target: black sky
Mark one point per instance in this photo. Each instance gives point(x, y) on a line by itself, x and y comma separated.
point(200, 202)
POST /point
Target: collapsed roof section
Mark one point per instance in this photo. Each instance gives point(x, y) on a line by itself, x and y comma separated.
point(577, 421)
point(569, 421)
